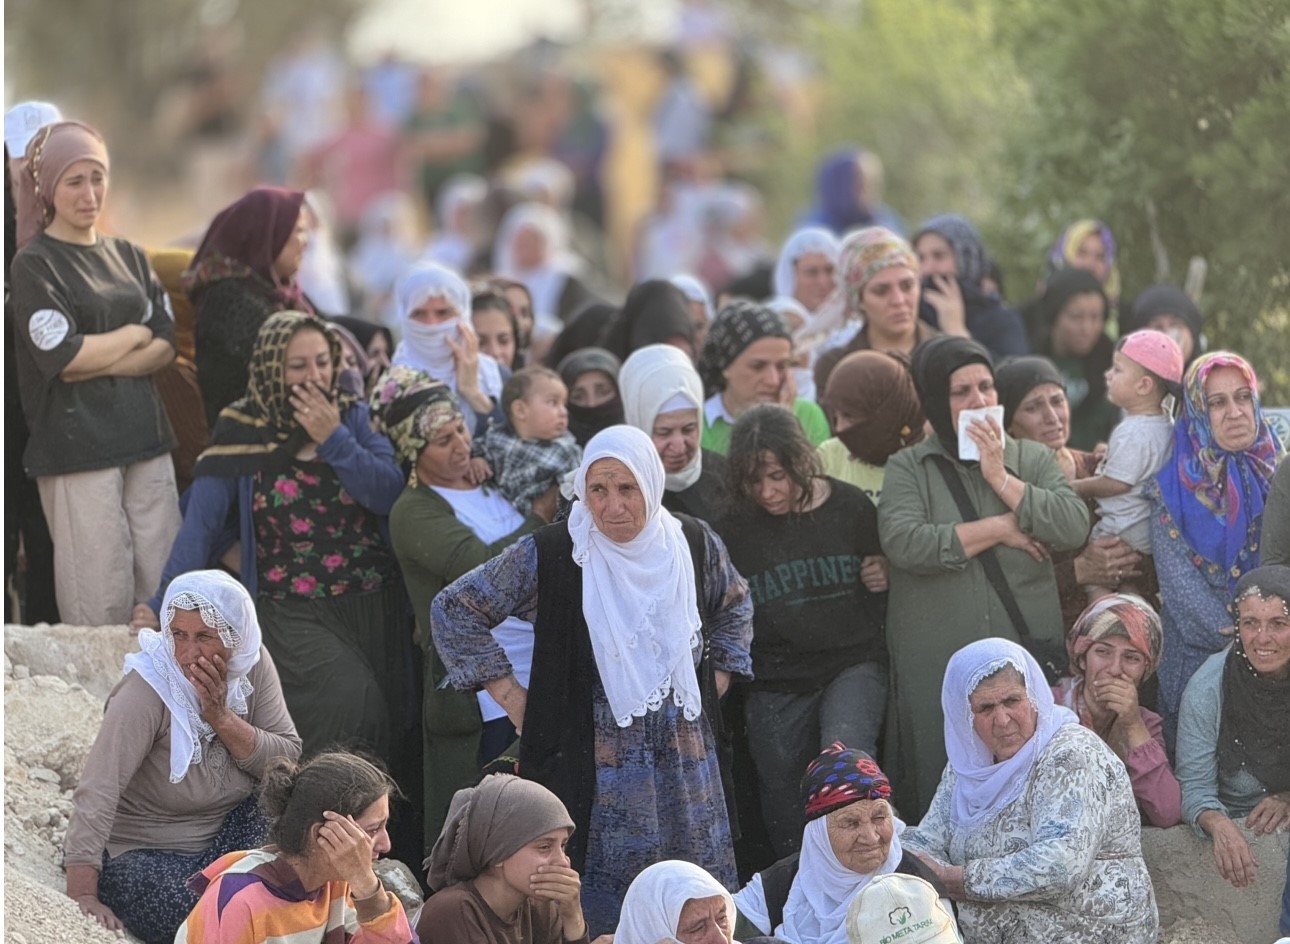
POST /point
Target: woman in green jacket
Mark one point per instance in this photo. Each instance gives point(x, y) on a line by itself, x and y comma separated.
point(941, 596)
point(442, 526)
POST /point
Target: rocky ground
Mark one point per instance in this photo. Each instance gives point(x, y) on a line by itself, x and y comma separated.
point(55, 680)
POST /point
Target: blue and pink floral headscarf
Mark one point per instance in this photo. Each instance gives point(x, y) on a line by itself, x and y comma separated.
point(1216, 497)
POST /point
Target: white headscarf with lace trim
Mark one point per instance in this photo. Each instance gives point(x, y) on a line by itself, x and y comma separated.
point(225, 607)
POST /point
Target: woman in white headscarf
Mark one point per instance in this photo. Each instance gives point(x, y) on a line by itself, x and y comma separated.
point(807, 267)
point(676, 901)
point(169, 784)
point(701, 311)
point(1034, 829)
point(662, 395)
point(439, 340)
point(532, 247)
point(638, 626)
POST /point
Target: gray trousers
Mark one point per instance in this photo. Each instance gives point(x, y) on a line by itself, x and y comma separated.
point(786, 730)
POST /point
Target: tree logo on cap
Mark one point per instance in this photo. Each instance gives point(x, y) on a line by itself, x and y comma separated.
point(899, 916)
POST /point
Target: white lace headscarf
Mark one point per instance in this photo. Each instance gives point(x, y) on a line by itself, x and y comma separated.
point(983, 787)
point(547, 279)
point(638, 597)
point(225, 607)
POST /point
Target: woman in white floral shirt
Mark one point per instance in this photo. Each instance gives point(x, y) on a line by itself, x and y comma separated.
point(1033, 829)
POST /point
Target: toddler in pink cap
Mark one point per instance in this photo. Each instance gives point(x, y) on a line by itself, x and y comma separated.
point(1147, 368)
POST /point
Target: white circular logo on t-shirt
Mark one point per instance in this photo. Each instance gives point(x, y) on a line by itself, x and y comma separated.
point(48, 328)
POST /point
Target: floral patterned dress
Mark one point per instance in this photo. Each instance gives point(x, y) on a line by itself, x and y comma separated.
point(1061, 864)
point(312, 539)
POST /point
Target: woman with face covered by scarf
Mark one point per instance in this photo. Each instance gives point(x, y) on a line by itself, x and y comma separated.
point(1233, 757)
point(1114, 647)
point(296, 464)
point(941, 595)
point(243, 271)
point(1207, 507)
point(439, 340)
point(874, 410)
point(92, 325)
point(595, 402)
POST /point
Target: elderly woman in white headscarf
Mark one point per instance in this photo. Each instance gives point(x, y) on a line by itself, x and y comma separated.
point(1034, 829)
point(532, 247)
point(639, 622)
point(662, 395)
point(168, 786)
point(676, 901)
point(438, 339)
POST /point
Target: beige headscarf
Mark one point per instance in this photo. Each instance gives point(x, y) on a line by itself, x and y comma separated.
point(489, 823)
point(54, 148)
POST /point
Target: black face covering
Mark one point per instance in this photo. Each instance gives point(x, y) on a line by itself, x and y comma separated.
point(934, 362)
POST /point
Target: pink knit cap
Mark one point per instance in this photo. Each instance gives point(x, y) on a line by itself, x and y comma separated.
point(1155, 351)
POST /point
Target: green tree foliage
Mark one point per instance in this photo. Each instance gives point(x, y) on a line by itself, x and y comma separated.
point(923, 86)
point(1170, 121)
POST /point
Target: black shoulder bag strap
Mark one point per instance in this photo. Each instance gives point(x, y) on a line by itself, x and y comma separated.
point(1052, 663)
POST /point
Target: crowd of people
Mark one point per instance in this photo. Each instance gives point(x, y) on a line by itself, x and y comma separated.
point(786, 596)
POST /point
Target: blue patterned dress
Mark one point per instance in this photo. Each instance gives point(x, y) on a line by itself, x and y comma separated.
point(658, 784)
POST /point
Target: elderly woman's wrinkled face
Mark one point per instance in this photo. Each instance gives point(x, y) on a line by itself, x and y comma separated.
point(1114, 657)
point(446, 458)
point(1043, 416)
point(1264, 625)
point(1002, 715)
point(194, 640)
point(971, 388)
point(860, 834)
point(1230, 402)
point(1078, 325)
point(705, 921)
point(676, 437)
point(813, 279)
point(615, 500)
point(433, 311)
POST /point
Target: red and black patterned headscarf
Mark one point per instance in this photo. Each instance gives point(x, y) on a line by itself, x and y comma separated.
point(840, 777)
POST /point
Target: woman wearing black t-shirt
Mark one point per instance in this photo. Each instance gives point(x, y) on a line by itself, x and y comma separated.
point(808, 546)
point(92, 325)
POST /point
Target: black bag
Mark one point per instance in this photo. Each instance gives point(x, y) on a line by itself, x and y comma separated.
point(1051, 656)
